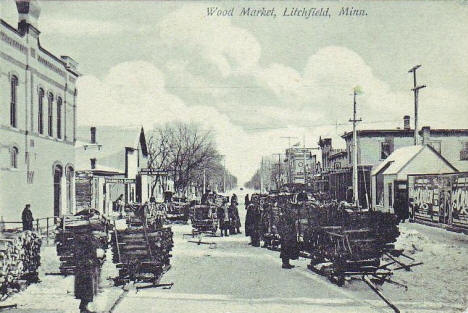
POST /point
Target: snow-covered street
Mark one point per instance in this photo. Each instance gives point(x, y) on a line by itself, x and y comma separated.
point(232, 276)
point(236, 277)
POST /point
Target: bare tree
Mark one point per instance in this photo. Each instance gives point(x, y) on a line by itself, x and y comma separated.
point(183, 150)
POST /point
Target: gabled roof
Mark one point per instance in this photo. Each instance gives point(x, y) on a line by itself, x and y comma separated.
point(115, 138)
point(399, 158)
point(110, 147)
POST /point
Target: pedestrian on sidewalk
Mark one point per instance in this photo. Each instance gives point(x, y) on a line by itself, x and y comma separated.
point(88, 260)
point(27, 218)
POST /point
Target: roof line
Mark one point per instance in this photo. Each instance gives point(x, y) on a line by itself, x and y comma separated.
point(411, 159)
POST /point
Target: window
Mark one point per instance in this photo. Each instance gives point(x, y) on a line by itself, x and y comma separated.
point(14, 157)
point(59, 117)
point(40, 113)
point(385, 149)
point(50, 99)
point(464, 151)
point(14, 90)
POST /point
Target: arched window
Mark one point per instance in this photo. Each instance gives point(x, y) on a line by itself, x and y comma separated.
point(40, 113)
point(50, 99)
point(14, 90)
point(59, 117)
point(14, 157)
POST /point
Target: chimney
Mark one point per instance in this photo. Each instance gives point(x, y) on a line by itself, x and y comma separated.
point(28, 15)
point(93, 134)
point(406, 122)
point(426, 134)
point(93, 163)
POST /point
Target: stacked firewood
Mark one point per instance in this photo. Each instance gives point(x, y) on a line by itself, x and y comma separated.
point(68, 235)
point(19, 259)
point(141, 251)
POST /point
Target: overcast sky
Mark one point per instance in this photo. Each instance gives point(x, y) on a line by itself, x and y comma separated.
point(255, 79)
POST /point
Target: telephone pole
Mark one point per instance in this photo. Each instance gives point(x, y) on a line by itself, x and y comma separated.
point(289, 156)
point(261, 176)
point(416, 94)
point(355, 154)
point(279, 170)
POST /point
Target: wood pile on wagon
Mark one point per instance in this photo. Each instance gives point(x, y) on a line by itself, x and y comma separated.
point(142, 250)
point(19, 260)
point(69, 232)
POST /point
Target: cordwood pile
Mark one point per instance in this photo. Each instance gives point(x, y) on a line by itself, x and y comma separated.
point(19, 260)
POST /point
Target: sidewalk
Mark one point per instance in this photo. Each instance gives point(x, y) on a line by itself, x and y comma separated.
point(56, 294)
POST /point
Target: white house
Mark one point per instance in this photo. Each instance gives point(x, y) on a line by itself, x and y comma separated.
point(109, 164)
point(389, 178)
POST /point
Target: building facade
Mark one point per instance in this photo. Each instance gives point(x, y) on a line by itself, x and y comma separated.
point(37, 124)
point(112, 162)
point(300, 165)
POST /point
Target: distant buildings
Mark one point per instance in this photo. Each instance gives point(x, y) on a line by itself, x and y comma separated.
point(300, 165)
point(37, 124)
point(374, 147)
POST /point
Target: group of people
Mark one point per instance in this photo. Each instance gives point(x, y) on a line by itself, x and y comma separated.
point(259, 222)
point(228, 217)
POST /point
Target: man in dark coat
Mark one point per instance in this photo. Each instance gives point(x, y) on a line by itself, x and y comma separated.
point(27, 218)
point(234, 218)
point(288, 234)
point(246, 200)
point(87, 273)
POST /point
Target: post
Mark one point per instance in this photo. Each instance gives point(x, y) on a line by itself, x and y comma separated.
point(416, 96)
point(261, 176)
point(224, 174)
point(37, 225)
point(47, 228)
point(304, 165)
point(289, 157)
point(355, 154)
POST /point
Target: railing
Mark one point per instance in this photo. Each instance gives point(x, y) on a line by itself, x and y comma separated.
point(44, 225)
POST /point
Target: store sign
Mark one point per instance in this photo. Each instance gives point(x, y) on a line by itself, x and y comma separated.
point(152, 171)
point(120, 181)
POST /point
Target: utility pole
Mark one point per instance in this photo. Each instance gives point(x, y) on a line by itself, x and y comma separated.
point(289, 156)
point(279, 170)
point(355, 154)
point(261, 176)
point(304, 165)
point(416, 94)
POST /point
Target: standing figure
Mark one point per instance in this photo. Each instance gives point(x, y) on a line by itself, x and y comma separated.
point(252, 224)
point(288, 234)
point(234, 218)
point(88, 259)
point(226, 219)
point(27, 218)
point(246, 201)
point(234, 199)
point(119, 204)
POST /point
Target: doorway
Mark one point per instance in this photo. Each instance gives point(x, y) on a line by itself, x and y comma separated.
point(58, 173)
